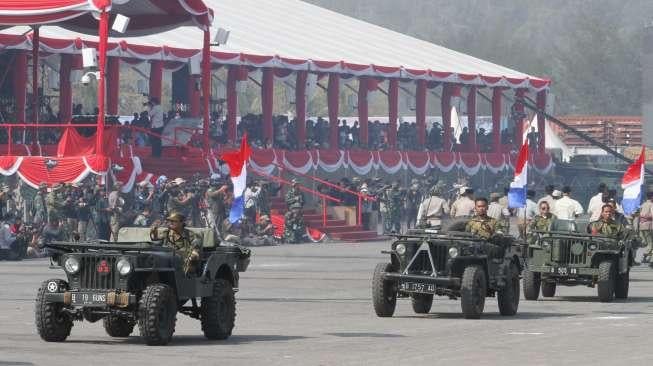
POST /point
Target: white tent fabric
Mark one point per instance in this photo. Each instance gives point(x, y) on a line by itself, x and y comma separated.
point(293, 34)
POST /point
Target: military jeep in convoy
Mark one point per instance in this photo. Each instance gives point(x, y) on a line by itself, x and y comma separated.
point(566, 256)
point(137, 281)
point(456, 264)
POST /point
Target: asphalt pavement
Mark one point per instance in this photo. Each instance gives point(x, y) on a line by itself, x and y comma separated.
point(311, 305)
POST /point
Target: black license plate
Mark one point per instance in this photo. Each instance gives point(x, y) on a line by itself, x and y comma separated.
point(88, 298)
point(563, 271)
point(423, 288)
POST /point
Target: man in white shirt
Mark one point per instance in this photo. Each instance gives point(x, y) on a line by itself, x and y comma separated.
point(567, 208)
point(596, 203)
point(548, 197)
point(251, 201)
point(525, 214)
point(155, 114)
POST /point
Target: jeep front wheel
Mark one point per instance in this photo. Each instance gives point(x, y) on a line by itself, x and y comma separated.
point(548, 289)
point(218, 314)
point(622, 285)
point(384, 293)
point(532, 282)
point(508, 297)
point(51, 323)
point(157, 314)
point(421, 303)
point(606, 281)
point(118, 327)
point(472, 292)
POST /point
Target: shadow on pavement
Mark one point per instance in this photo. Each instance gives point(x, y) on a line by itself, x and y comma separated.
point(196, 340)
point(491, 316)
point(596, 299)
point(365, 335)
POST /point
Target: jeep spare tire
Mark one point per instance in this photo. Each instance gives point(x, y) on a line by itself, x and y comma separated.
point(472, 292)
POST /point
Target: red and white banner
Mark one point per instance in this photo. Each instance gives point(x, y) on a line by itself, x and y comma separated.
point(34, 170)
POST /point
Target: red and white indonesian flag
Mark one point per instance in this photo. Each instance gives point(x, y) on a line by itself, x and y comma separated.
point(517, 192)
point(632, 184)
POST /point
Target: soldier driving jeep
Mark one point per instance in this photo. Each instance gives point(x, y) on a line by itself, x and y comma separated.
point(177, 236)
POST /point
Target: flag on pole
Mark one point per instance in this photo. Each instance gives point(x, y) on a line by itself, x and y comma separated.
point(237, 162)
point(517, 192)
point(632, 184)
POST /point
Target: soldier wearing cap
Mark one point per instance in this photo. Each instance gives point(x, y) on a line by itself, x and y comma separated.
point(606, 225)
point(294, 226)
point(392, 198)
point(185, 243)
point(294, 196)
point(646, 225)
point(464, 205)
point(432, 209)
point(481, 224)
point(39, 207)
point(54, 202)
point(413, 199)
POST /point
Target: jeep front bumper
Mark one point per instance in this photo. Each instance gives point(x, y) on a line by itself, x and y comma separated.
point(92, 298)
point(564, 271)
point(438, 281)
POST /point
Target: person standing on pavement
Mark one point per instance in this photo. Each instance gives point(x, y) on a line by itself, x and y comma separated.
point(155, 114)
point(567, 208)
point(596, 202)
point(646, 226)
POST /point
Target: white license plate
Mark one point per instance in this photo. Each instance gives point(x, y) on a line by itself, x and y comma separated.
point(88, 298)
point(425, 288)
point(563, 271)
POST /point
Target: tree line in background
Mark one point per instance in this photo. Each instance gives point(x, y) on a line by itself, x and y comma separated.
point(591, 49)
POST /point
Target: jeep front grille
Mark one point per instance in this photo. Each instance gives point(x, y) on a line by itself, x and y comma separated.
point(91, 278)
point(420, 263)
point(569, 251)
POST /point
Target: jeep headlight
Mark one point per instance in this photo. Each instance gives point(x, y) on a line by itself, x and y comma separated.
point(71, 265)
point(593, 246)
point(400, 249)
point(453, 252)
point(124, 267)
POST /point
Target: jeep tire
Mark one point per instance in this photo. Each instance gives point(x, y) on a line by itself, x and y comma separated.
point(51, 323)
point(157, 314)
point(472, 292)
point(384, 293)
point(118, 327)
point(218, 312)
point(548, 289)
point(421, 303)
point(606, 281)
point(532, 284)
point(508, 297)
point(622, 285)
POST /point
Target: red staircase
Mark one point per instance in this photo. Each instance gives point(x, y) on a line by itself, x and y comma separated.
point(334, 228)
point(185, 167)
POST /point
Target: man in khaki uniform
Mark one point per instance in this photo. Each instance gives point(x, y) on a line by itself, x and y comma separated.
point(464, 205)
point(646, 226)
point(482, 224)
point(186, 243)
point(432, 209)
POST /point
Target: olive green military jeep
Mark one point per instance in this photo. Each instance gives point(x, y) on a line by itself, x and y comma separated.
point(135, 281)
point(566, 256)
point(424, 263)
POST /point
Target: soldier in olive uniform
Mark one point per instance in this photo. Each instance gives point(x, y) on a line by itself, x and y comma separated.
point(606, 225)
point(54, 202)
point(39, 206)
point(294, 226)
point(294, 196)
point(544, 220)
point(185, 243)
point(646, 226)
point(392, 198)
point(413, 199)
point(215, 196)
point(481, 224)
